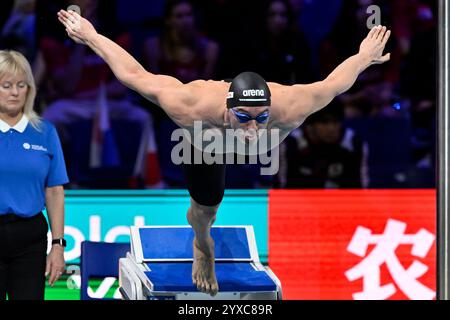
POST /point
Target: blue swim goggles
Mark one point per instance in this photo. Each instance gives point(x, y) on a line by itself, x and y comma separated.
point(244, 118)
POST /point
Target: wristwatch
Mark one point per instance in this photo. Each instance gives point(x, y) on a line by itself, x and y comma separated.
point(61, 242)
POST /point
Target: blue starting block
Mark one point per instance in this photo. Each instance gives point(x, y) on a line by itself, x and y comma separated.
point(159, 266)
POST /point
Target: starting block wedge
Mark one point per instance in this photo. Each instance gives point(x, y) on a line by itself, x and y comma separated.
point(159, 266)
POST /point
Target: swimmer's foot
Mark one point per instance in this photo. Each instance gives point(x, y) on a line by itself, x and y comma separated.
point(203, 272)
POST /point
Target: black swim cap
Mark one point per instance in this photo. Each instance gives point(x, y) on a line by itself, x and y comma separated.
point(248, 90)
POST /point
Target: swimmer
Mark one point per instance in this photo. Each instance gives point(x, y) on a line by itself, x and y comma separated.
point(249, 104)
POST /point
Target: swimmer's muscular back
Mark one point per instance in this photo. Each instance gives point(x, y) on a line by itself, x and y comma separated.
point(195, 101)
point(206, 101)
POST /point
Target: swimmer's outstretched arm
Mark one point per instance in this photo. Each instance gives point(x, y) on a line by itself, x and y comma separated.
point(167, 92)
point(307, 99)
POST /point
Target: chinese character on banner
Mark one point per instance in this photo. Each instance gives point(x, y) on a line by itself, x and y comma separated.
point(384, 253)
point(353, 244)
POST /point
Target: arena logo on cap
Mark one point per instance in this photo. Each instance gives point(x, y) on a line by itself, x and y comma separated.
point(253, 93)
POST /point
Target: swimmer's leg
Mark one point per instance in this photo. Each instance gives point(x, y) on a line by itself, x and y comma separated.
point(206, 185)
point(201, 218)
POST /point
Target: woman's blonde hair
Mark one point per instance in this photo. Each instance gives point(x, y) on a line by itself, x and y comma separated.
point(14, 63)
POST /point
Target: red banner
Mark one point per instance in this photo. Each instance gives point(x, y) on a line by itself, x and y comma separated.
point(354, 244)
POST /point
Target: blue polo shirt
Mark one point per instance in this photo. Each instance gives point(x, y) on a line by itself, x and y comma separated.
point(30, 161)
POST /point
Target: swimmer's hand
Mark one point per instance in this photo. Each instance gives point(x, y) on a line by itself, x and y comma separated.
point(78, 28)
point(373, 46)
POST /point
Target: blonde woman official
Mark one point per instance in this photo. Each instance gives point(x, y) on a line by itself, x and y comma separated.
point(32, 175)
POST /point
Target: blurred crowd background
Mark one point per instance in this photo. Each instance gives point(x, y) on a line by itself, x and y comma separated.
point(380, 134)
